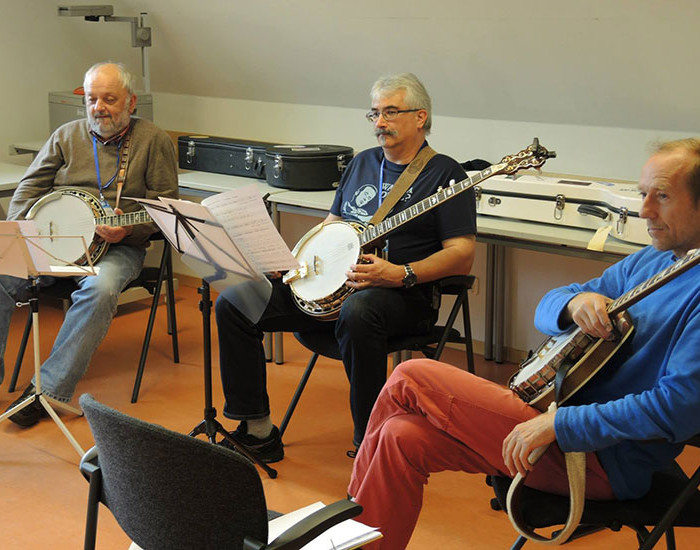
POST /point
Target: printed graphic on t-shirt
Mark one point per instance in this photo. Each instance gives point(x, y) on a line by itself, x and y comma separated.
point(363, 203)
point(357, 206)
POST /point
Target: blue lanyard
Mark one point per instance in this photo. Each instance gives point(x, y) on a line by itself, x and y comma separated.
point(97, 167)
point(385, 249)
point(381, 182)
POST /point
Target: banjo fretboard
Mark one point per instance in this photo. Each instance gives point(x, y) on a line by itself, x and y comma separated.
point(119, 220)
point(373, 233)
point(650, 285)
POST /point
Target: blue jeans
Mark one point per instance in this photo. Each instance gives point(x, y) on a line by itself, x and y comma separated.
point(94, 304)
point(367, 320)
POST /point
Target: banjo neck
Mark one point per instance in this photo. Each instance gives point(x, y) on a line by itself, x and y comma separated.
point(375, 232)
point(120, 220)
point(650, 285)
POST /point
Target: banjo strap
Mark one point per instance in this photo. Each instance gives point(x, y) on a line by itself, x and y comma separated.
point(123, 164)
point(575, 470)
point(406, 179)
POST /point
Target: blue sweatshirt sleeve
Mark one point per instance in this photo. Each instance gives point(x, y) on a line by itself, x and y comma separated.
point(669, 410)
point(548, 313)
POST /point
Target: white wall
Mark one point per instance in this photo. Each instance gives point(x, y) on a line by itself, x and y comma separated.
point(43, 53)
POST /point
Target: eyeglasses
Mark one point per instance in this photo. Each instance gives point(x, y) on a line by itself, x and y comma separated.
point(387, 114)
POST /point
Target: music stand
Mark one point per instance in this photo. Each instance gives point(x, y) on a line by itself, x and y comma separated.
point(21, 256)
point(192, 231)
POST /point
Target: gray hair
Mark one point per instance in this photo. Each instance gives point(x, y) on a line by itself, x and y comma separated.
point(125, 77)
point(692, 147)
point(416, 95)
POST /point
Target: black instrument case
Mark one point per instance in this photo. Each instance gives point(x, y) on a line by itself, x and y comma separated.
point(306, 167)
point(237, 157)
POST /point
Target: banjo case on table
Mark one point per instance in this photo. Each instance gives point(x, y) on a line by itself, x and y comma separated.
point(306, 167)
point(561, 201)
point(232, 156)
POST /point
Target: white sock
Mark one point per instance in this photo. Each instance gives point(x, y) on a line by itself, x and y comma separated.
point(259, 427)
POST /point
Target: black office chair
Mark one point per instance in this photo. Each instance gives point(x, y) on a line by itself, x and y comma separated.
point(673, 500)
point(168, 490)
point(431, 344)
point(151, 279)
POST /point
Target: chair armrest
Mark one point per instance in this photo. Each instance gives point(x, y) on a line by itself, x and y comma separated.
point(89, 463)
point(309, 528)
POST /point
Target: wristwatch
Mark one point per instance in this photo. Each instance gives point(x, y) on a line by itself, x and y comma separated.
point(410, 278)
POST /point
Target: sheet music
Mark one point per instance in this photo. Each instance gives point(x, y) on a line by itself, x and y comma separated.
point(162, 217)
point(210, 251)
point(12, 260)
point(242, 214)
point(28, 229)
point(22, 255)
point(212, 245)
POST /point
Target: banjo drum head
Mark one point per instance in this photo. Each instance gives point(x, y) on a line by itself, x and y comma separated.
point(61, 214)
point(328, 253)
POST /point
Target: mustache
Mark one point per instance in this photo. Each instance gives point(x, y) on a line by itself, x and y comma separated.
point(384, 132)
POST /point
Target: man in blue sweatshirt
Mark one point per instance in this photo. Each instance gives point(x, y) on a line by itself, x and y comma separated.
point(630, 419)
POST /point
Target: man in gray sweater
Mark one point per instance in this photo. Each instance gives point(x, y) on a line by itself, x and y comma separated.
point(87, 154)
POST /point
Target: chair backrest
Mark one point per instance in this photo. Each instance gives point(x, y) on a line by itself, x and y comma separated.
point(168, 490)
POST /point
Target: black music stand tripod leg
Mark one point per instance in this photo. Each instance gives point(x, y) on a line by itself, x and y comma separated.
point(210, 426)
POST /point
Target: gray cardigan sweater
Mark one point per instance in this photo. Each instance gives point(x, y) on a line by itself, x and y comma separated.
point(67, 159)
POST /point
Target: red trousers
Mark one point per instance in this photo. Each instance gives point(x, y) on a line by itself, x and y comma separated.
point(431, 417)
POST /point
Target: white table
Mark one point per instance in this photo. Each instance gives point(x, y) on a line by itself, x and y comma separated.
point(26, 147)
point(206, 183)
point(10, 176)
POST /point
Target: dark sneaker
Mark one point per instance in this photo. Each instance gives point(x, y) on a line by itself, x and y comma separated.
point(268, 449)
point(29, 415)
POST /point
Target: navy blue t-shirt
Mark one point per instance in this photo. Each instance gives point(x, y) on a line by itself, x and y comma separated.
point(357, 199)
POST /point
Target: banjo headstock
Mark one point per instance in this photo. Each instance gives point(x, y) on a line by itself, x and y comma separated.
point(533, 156)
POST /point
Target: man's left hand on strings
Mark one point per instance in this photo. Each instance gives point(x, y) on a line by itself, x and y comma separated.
point(114, 234)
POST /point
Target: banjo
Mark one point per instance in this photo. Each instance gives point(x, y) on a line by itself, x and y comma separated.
point(325, 251)
point(73, 211)
point(581, 354)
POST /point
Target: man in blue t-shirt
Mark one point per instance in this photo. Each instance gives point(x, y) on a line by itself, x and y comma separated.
point(630, 419)
point(395, 295)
